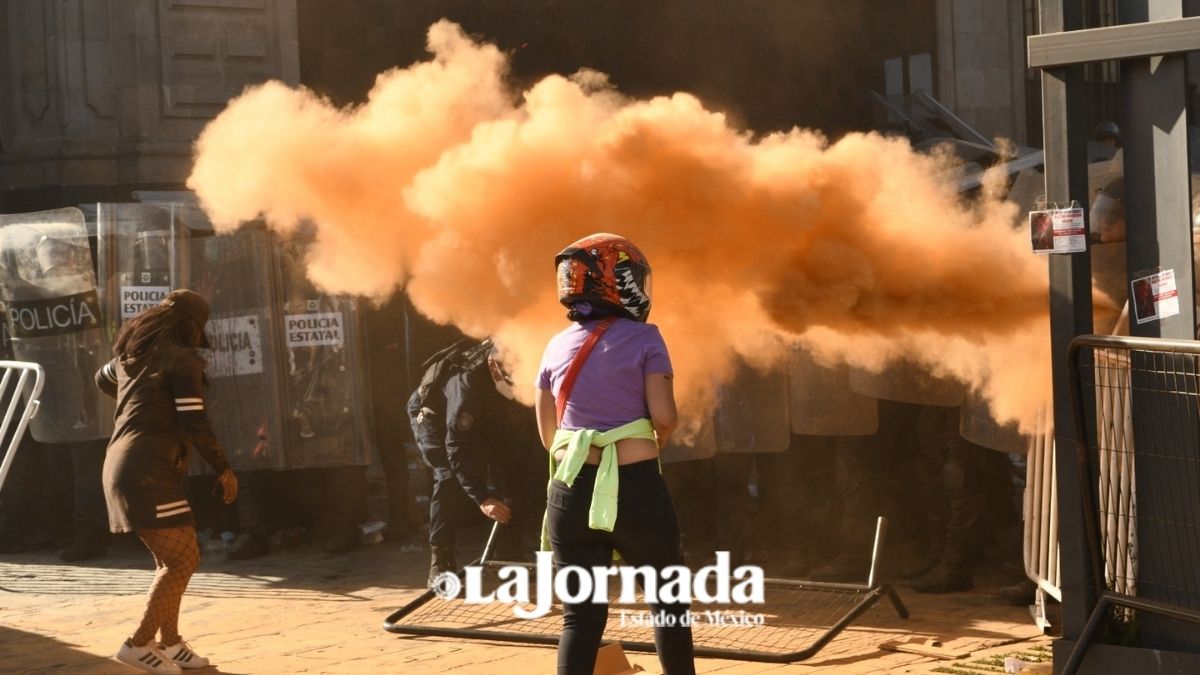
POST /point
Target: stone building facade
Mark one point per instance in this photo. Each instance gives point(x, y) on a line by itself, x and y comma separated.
point(102, 97)
point(99, 97)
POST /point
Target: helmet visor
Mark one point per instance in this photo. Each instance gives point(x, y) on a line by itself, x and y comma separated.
point(1108, 218)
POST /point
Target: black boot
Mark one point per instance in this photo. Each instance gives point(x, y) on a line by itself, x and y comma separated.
point(342, 540)
point(247, 546)
point(944, 578)
point(1021, 594)
point(920, 569)
point(83, 550)
point(443, 560)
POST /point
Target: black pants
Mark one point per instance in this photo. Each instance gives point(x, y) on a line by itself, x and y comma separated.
point(35, 500)
point(449, 509)
point(646, 533)
point(90, 512)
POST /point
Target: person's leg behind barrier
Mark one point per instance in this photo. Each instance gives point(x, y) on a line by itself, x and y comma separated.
point(692, 484)
point(934, 427)
point(345, 497)
point(647, 534)
point(575, 544)
point(90, 513)
point(815, 494)
point(782, 523)
point(734, 505)
point(54, 496)
point(854, 477)
point(959, 479)
point(394, 461)
point(19, 508)
point(256, 515)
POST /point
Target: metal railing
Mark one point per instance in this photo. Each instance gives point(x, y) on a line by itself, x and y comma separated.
point(1041, 520)
point(1137, 410)
point(20, 403)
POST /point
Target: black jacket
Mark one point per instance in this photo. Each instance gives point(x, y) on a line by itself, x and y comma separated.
point(160, 414)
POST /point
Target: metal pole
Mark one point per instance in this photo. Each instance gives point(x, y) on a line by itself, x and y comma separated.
point(1158, 205)
point(1159, 235)
point(877, 549)
point(1064, 124)
point(487, 548)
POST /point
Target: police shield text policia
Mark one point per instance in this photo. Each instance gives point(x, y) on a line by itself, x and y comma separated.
point(67, 314)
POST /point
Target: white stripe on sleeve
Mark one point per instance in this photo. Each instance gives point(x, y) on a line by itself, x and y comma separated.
point(172, 505)
point(176, 512)
point(185, 408)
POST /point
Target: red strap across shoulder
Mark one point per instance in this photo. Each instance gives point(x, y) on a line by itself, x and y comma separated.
point(568, 383)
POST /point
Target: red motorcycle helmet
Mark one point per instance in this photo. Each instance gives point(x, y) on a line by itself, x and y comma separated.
point(606, 272)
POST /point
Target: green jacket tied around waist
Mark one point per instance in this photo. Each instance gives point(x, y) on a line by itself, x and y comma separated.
point(603, 513)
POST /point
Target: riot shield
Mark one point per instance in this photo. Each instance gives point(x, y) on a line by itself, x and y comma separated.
point(142, 256)
point(752, 413)
point(48, 283)
point(821, 402)
point(701, 445)
point(976, 424)
point(909, 383)
point(235, 272)
point(326, 391)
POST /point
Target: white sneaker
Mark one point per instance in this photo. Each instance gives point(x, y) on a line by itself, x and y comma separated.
point(147, 658)
point(183, 656)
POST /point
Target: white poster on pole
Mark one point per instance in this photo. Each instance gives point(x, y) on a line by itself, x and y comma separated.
point(1057, 231)
point(1154, 296)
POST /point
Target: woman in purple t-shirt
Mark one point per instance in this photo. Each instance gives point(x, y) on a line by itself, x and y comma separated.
point(605, 432)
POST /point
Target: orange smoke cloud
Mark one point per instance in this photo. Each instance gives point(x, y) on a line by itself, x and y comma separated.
point(448, 182)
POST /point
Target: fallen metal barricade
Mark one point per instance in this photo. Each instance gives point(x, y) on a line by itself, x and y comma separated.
point(1140, 473)
point(20, 404)
point(800, 617)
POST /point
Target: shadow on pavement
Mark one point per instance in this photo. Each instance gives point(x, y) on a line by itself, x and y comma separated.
point(22, 652)
point(304, 572)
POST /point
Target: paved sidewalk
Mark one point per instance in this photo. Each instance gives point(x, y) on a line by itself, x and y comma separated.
point(310, 612)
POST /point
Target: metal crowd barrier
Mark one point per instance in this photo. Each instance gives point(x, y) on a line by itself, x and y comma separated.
point(800, 617)
point(20, 404)
point(1140, 472)
point(1041, 520)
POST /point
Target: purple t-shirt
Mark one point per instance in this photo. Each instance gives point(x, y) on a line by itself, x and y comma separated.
point(611, 389)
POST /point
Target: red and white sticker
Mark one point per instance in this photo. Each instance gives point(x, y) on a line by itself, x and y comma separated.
point(1057, 231)
point(1154, 297)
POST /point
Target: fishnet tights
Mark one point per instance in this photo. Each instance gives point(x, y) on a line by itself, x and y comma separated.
point(176, 556)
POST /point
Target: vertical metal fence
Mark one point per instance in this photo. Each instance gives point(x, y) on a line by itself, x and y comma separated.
point(1137, 405)
point(1041, 519)
point(20, 386)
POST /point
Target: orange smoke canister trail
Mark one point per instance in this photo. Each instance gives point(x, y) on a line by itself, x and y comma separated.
point(452, 184)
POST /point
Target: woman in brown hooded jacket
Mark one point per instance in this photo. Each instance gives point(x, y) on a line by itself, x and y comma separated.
point(158, 380)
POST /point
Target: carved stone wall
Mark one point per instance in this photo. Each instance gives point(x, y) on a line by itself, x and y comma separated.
point(981, 56)
point(106, 96)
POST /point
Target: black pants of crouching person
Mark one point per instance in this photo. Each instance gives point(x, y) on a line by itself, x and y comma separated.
point(646, 533)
